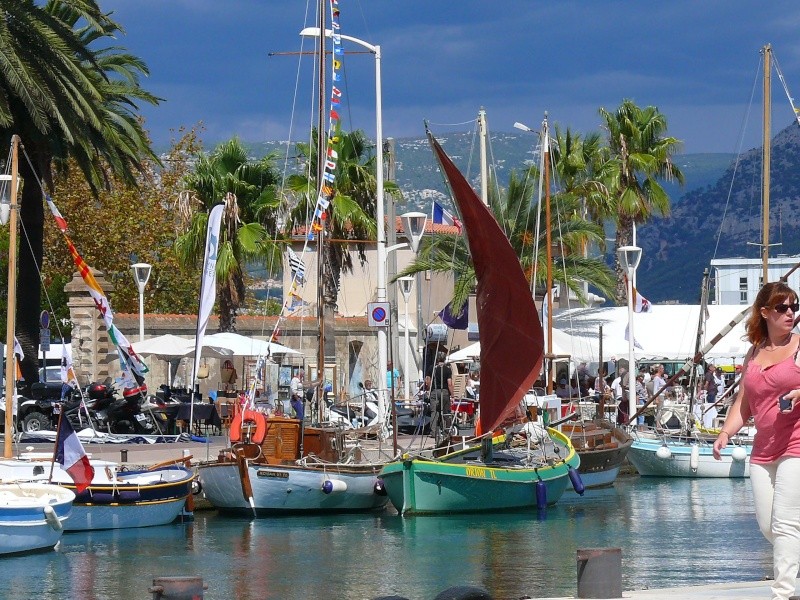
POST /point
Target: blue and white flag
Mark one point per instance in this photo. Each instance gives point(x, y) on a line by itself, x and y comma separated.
point(297, 267)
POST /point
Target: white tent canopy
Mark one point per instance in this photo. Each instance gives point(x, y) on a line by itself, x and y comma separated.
point(219, 345)
point(666, 332)
point(240, 345)
point(563, 345)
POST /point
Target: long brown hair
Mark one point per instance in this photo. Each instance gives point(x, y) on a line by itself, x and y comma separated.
point(768, 296)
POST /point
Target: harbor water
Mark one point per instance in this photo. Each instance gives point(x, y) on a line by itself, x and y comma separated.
point(671, 531)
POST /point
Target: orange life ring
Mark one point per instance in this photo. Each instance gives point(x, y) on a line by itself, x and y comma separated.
point(253, 417)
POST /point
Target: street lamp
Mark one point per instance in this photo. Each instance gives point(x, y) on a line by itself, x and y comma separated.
point(141, 273)
point(379, 200)
point(406, 285)
point(629, 257)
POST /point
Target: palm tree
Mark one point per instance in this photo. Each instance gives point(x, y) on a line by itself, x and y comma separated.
point(350, 217)
point(67, 98)
point(517, 213)
point(249, 222)
point(643, 155)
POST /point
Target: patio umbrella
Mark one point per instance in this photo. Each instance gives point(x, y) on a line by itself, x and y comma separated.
point(240, 345)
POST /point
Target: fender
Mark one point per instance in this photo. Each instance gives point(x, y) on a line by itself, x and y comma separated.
point(254, 417)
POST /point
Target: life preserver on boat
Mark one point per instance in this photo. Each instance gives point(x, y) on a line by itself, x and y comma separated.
point(254, 417)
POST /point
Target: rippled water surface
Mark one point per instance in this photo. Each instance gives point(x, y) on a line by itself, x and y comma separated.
point(671, 531)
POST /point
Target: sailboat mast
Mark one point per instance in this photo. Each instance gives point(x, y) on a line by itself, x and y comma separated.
point(549, 243)
point(483, 134)
point(766, 159)
point(321, 149)
point(11, 376)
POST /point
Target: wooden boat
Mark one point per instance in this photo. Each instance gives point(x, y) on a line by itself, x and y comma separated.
point(491, 474)
point(277, 475)
point(32, 516)
point(115, 499)
point(602, 448)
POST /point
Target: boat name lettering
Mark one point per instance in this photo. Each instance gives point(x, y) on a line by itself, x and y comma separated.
point(480, 472)
point(278, 474)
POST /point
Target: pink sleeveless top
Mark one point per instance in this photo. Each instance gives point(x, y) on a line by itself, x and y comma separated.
point(777, 434)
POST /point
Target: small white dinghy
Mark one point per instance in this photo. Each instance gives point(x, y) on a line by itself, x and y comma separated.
point(32, 515)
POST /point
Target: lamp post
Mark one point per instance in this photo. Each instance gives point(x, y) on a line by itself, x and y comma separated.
point(406, 285)
point(141, 273)
point(379, 200)
point(629, 257)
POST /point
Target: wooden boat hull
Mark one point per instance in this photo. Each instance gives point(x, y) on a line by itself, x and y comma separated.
point(600, 464)
point(294, 489)
point(419, 486)
point(116, 499)
point(32, 516)
point(644, 456)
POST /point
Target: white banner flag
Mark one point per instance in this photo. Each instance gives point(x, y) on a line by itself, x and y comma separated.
point(208, 283)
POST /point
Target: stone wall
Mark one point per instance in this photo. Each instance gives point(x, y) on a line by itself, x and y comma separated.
point(95, 358)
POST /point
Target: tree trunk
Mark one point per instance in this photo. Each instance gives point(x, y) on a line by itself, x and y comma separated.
point(227, 310)
point(29, 286)
point(624, 237)
point(330, 295)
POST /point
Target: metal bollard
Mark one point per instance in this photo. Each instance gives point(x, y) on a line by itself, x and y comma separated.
point(189, 587)
point(600, 573)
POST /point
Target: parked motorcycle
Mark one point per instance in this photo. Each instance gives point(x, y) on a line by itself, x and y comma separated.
point(126, 415)
point(51, 399)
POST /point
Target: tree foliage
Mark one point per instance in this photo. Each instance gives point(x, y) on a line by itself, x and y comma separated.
point(248, 189)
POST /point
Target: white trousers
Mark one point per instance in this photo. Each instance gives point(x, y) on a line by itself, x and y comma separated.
point(776, 495)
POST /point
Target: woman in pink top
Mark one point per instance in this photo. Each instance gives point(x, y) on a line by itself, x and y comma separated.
point(772, 373)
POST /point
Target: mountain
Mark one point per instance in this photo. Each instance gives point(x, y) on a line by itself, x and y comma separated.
point(420, 180)
point(676, 249)
point(722, 220)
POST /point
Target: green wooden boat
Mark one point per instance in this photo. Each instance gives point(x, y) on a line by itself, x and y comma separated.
point(493, 474)
point(464, 481)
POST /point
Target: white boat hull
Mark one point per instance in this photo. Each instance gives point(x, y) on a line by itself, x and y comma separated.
point(115, 499)
point(645, 457)
point(32, 516)
point(87, 517)
point(286, 489)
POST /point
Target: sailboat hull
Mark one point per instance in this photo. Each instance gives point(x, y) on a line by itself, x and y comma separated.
point(116, 499)
point(294, 489)
point(600, 464)
point(460, 482)
point(644, 455)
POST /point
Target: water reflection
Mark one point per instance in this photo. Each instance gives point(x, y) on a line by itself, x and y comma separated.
point(668, 530)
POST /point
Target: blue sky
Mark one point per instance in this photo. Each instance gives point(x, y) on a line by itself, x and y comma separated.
point(442, 60)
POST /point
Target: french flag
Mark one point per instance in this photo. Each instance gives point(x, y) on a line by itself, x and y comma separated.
point(72, 457)
point(441, 216)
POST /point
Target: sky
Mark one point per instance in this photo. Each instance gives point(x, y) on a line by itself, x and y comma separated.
point(218, 62)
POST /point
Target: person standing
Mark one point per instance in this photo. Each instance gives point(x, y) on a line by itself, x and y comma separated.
point(710, 385)
point(441, 391)
point(392, 378)
point(770, 393)
point(296, 390)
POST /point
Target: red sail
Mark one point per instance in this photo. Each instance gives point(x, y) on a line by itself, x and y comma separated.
point(512, 341)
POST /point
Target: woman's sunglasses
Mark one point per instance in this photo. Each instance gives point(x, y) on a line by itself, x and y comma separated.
point(782, 308)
